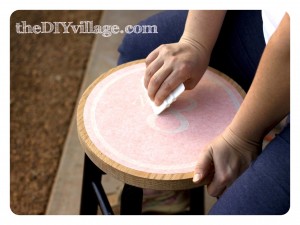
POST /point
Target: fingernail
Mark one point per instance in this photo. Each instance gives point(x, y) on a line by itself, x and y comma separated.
point(196, 177)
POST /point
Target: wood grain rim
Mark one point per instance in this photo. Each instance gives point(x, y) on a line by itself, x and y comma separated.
point(178, 181)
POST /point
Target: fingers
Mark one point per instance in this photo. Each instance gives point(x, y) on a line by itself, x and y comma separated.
point(170, 65)
point(152, 56)
point(217, 186)
point(228, 155)
point(157, 82)
point(208, 173)
point(204, 166)
point(151, 66)
point(162, 77)
point(158, 69)
point(219, 161)
point(165, 71)
point(169, 81)
point(223, 168)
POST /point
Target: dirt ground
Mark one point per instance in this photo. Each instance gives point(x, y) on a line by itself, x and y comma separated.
point(46, 74)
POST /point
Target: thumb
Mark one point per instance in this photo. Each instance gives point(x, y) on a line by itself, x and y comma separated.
point(204, 166)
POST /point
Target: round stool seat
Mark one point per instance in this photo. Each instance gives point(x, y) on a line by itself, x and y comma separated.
point(124, 138)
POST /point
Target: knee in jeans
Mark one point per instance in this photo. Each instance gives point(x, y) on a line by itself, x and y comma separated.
point(131, 48)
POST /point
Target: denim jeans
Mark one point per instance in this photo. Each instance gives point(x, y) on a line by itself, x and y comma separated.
point(264, 187)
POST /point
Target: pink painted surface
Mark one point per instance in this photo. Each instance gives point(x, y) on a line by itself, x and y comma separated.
point(121, 124)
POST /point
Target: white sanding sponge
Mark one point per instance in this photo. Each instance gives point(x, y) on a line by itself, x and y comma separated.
point(168, 101)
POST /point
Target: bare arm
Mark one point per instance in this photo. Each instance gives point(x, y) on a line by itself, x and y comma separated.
point(202, 28)
point(183, 62)
point(268, 100)
point(266, 103)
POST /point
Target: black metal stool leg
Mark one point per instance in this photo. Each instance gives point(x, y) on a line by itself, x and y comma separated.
point(102, 199)
point(91, 173)
point(92, 191)
point(197, 201)
point(131, 200)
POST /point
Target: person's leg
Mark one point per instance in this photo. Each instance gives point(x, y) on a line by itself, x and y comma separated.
point(239, 46)
point(170, 26)
point(264, 188)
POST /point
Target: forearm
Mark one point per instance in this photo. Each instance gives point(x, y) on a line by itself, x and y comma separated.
point(186, 61)
point(202, 28)
point(268, 99)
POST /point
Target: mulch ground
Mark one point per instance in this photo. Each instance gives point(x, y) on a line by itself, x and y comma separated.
point(46, 74)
